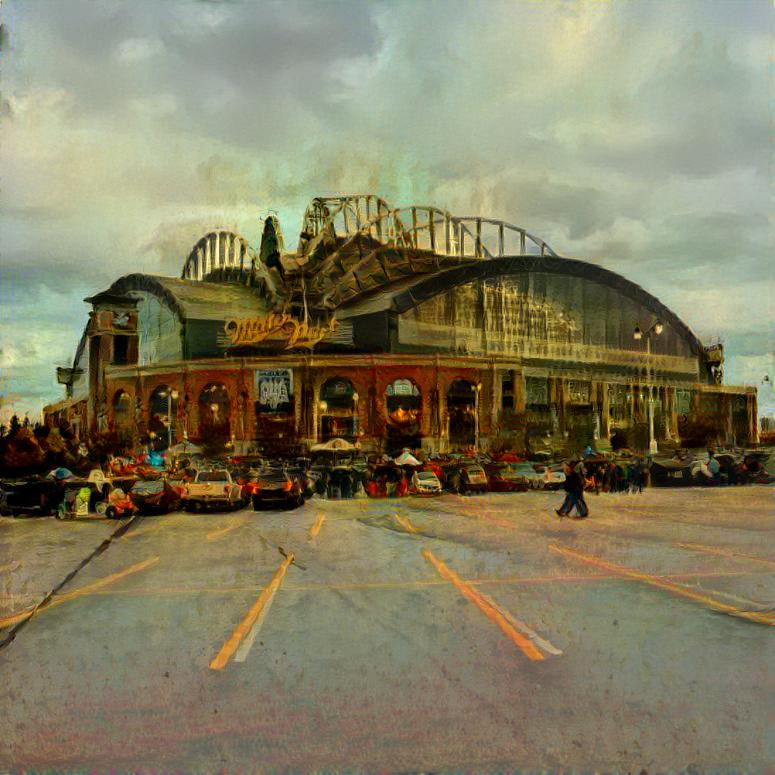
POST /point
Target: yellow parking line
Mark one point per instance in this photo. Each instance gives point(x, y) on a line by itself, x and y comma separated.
point(10, 567)
point(243, 628)
point(661, 583)
point(142, 531)
point(213, 535)
point(492, 613)
point(724, 553)
point(406, 524)
point(315, 529)
point(88, 589)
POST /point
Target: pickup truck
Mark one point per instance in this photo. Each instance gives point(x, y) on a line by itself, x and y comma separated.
point(213, 488)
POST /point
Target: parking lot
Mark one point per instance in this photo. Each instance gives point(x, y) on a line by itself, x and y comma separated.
point(421, 634)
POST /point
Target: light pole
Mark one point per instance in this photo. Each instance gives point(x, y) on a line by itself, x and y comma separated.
point(171, 394)
point(477, 389)
point(655, 329)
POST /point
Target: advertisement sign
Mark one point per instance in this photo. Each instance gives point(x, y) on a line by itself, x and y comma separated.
point(274, 387)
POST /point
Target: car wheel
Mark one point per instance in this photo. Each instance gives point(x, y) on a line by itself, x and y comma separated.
point(540, 484)
point(110, 512)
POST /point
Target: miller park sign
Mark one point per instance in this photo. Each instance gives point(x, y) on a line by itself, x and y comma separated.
point(277, 328)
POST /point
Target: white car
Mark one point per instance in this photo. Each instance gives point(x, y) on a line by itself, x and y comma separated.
point(539, 476)
point(425, 483)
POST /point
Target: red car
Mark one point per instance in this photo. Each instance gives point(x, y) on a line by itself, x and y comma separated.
point(501, 477)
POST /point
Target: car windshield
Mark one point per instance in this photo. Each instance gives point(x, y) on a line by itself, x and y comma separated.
point(212, 476)
point(147, 488)
point(429, 475)
point(272, 476)
point(475, 471)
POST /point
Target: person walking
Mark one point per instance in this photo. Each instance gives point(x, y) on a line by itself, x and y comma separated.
point(574, 494)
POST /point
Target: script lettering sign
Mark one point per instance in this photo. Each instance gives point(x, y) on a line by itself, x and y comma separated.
point(277, 327)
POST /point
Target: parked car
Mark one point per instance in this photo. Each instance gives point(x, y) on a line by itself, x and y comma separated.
point(472, 479)
point(506, 477)
point(213, 488)
point(275, 487)
point(156, 497)
point(550, 477)
point(425, 483)
point(30, 497)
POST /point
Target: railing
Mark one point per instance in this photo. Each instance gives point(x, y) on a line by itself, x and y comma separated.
point(417, 227)
point(217, 250)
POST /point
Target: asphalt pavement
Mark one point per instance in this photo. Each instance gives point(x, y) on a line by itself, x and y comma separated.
point(450, 633)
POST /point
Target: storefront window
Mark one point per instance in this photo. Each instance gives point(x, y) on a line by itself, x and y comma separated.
point(403, 403)
point(162, 408)
point(275, 406)
point(462, 406)
point(338, 408)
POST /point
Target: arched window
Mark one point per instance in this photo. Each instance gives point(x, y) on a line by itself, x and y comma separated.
point(123, 415)
point(214, 414)
point(338, 408)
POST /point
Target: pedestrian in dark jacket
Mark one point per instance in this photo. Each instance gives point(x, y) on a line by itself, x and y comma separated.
point(574, 494)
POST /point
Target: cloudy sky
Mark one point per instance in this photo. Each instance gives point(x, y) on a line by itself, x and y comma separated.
point(633, 134)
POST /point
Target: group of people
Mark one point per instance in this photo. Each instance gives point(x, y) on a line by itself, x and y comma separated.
point(600, 476)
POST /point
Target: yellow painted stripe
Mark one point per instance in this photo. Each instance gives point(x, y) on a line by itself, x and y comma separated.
point(243, 628)
point(661, 583)
point(87, 590)
point(214, 535)
point(142, 531)
point(725, 553)
point(406, 524)
point(10, 567)
point(486, 608)
point(315, 529)
point(508, 580)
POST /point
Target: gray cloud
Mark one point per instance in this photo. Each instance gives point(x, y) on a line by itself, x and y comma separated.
point(633, 134)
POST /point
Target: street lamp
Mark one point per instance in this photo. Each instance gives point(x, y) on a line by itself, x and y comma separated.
point(656, 329)
point(477, 388)
point(171, 394)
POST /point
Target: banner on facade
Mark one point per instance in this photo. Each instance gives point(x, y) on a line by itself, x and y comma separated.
point(274, 387)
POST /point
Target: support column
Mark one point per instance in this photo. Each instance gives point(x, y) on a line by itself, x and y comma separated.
point(605, 410)
point(753, 420)
point(520, 398)
point(496, 395)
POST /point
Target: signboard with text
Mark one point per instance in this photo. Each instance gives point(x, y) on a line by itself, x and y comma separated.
point(274, 388)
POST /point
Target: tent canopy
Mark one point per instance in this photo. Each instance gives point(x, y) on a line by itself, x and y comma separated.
point(334, 445)
point(406, 458)
point(185, 448)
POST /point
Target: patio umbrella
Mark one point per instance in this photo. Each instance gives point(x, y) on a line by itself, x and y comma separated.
point(406, 458)
point(334, 445)
point(61, 473)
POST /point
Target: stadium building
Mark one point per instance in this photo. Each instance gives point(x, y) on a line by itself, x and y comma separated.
point(395, 328)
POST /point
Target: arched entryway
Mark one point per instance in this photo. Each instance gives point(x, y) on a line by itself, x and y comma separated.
point(338, 408)
point(214, 414)
point(162, 414)
point(123, 416)
point(462, 408)
point(403, 405)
